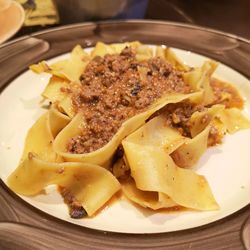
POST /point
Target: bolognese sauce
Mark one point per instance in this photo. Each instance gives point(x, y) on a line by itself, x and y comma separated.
point(116, 87)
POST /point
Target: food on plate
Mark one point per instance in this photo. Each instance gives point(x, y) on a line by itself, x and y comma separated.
point(127, 117)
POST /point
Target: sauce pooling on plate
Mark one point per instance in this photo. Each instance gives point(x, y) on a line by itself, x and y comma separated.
point(226, 94)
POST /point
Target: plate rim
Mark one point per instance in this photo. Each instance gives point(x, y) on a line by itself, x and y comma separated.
point(245, 211)
point(132, 21)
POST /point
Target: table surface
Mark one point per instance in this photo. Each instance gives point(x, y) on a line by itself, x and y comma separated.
point(225, 15)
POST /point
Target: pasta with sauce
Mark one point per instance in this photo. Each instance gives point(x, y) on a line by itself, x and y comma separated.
point(127, 117)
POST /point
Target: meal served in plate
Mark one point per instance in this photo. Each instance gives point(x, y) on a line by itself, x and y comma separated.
point(127, 117)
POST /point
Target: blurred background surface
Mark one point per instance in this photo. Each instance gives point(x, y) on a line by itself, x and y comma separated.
point(231, 16)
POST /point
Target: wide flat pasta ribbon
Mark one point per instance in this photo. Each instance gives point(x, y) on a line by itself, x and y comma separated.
point(54, 93)
point(201, 119)
point(234, 120)
point(103, 155)
point(158, 180)
point(69, 69)
point(218, 117)
point(101, 49)
point(160, 139)
point(169, 55)
point(90, 184)
point(39, 167)
point(154, 170)
point(199, 79)
point(147, 199)
point(40, 136)
point(188, 154)
point(53, 89)
point(39, 139)
point(57, 121)
point(156, 132)
point(201, 122)
point(185, 151)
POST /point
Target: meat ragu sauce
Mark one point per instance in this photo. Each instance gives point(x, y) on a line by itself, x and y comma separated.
point(226, 94)
point(118, 86)
point(178, 114)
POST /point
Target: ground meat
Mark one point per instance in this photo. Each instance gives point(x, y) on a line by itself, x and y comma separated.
point(76, 210)
point(178, 115)
point(115, 88)
point(215, 136)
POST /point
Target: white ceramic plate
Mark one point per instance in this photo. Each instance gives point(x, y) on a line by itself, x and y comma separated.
point(226, 167)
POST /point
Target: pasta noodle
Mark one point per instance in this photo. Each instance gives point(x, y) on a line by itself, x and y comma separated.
point(92, 185)
point(154, 170)
point(127, 117)
point(102, 155)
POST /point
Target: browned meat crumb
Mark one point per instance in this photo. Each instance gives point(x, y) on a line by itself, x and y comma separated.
point(30, 155)
point(178, 115)
point(117, 87)
point(215, 136)
point(76, 210)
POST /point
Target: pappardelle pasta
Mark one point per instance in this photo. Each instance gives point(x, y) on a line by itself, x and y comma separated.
point(127, 117)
